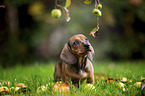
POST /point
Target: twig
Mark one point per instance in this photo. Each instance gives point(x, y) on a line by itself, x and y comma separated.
point(95, 4)
point(55, 3)
point(98, 23)
point(98, 1)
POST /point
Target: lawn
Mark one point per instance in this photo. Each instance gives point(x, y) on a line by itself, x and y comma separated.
point(41, 74)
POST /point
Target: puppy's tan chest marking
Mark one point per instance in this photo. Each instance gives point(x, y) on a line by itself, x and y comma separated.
point(83, 73)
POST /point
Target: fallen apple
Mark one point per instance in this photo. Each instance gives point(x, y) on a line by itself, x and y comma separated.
point(61, 87)
point(123, 79)
point(99, 76)
point(56, 87)
point(21, 85)
point(41, 89)
point(12, 89)
point(137, 84)
point(17, 89)
point(121, 86)
point(65, 88)
point(4, 90)
point(89, 87)
point(110, 80)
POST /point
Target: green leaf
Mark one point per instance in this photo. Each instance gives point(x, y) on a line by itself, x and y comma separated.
point(94, 32)
point(68, 3)
point(88, 1)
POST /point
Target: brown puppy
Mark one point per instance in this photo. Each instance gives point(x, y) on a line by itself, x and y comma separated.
point(75, 61)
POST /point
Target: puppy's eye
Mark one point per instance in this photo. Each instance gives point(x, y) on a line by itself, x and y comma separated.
point(76, 43)
point(87, 39)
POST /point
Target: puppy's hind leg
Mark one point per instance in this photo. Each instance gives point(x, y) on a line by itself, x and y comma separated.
point(58, 71)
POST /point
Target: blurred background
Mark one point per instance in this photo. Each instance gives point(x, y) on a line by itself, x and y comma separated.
point(29, 34)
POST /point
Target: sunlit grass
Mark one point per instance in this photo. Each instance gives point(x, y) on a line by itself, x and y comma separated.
point(40, 74)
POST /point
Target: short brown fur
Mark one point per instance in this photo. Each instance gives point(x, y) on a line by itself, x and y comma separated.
point(75, 61)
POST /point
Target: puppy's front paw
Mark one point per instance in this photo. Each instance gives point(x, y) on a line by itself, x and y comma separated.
point(83, 74)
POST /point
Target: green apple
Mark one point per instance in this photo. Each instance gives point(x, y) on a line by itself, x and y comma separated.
point(56, 13)
point(99, 6)
point(97, 12)
point(89, 87)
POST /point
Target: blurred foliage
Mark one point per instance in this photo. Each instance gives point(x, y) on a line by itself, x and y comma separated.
point(28, 33)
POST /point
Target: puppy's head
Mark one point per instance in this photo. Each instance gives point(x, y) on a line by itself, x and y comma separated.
point(77, 46)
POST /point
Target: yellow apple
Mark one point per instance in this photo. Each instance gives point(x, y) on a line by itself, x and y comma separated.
point(4, 90)
point(41, 89)
point(99, 6)
point(123, 79)
point(97, 12)
point(137, 84)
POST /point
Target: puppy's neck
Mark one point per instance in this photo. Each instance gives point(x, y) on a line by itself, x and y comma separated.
point(82, 61)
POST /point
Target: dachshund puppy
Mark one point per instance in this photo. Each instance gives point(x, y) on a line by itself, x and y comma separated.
point(75, 61)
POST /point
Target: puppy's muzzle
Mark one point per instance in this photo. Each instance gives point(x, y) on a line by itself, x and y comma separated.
point(87, 46)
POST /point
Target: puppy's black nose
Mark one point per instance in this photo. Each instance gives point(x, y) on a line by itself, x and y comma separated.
point(86, 46)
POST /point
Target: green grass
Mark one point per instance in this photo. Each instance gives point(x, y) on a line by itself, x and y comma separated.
point(43, 73)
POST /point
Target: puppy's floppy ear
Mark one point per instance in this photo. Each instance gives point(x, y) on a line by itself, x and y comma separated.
point(91, 53)
point(67, 56)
